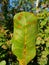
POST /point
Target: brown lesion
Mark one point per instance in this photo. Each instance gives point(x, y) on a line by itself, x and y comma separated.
point(29, 22)
point(19, 26)
point(34, 22)
point(20, 16)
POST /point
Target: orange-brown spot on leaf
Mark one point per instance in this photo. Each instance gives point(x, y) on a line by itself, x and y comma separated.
point(34, 22)
point(19, 17)
point(19, 26)
point(29, 22)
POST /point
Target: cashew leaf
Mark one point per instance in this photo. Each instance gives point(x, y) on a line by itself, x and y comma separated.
point(24, 36)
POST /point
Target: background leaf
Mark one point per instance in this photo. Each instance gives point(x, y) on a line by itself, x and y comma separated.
point(3, 63)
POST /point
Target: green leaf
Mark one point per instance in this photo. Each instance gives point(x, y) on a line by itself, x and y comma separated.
point(2, 63)
point(24, 36)
point(47, 30)
point(43, 22)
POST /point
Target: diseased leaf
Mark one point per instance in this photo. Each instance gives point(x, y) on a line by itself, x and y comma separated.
point(24, 36)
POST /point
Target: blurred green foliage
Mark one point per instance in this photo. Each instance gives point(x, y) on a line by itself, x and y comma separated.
point(43, 38)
